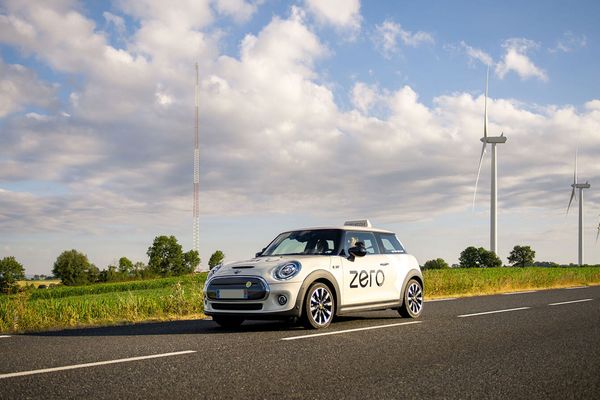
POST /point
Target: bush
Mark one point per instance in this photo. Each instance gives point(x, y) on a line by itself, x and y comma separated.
point(438, 263)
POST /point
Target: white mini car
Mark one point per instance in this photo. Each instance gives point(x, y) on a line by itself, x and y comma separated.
point(315, 274)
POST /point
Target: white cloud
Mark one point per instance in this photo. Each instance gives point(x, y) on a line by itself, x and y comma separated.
point(516, 59)
point(476, 54)
point(115, 20)
point(20, 87)
point(273, 139)
point(388, 33)
point(364, 96)
point(239, 10)
point(569, 42)
point(342, 14)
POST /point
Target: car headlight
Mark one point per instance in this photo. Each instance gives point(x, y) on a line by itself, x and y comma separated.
point(287, 271)
point(214, 270)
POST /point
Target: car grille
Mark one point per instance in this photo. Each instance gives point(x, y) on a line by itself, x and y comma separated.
point(237, 306)
point(253, 288)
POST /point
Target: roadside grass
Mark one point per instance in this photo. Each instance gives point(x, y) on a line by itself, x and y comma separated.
point(103, 304)
point(181, 297)
point(463, 282)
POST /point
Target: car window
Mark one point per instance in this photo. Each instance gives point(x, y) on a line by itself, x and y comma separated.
point(313, 242)
point(368, 238)
point(390, 244)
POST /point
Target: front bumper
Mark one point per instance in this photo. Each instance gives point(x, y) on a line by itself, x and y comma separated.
point(261, 298)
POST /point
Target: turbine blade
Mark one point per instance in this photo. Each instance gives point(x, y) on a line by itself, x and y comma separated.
point(571, 199)
point(478, 172)
point(597, 233)
point(485, 118)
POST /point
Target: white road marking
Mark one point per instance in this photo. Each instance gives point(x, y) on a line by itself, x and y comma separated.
point(4, 336)
point(524, 291)
point(494, 312)
point(576, 287)
point(444, 299)
point(93, 364)
point(569, 302)
point(350, 330)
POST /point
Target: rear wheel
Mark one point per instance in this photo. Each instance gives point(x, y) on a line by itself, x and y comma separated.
point(319, 307)
point(227, 321)
point(412, 304)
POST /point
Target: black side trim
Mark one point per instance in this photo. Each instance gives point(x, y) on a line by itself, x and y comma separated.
point(379, 305)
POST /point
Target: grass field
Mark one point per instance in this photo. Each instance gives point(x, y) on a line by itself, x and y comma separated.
point(103, 304)
point(181, 297)
point(479, 281)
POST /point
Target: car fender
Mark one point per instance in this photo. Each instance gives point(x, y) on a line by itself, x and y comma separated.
point(309, 280)
point(411, 274)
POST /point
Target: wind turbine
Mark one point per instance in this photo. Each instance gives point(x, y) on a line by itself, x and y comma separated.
point(597, 232)
point(579, 186)
point(493, 140)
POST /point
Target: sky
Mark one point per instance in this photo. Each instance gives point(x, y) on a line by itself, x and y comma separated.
point(312, 112)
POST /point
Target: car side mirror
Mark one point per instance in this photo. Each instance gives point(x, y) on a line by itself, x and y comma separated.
point(359, 250)
point(260, 252)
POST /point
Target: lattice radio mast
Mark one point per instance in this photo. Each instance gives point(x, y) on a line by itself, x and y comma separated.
point(196, 212)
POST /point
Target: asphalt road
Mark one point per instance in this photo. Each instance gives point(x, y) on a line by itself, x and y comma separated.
point(533, 348)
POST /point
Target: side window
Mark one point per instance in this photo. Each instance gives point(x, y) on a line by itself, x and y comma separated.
point(368, 238)
point(390, 244)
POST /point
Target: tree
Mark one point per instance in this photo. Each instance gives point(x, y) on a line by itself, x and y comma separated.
point(469, 258)
point(10, 272)
point(438, 263)
point(191, 260)
point(166, 256)
point(489, 259)
point(72, 268)
point(93, 274)
point(521, 256)
point(216, 259)
point(473, 257)
point(125, 266)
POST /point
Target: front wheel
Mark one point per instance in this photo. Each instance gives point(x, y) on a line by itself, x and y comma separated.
point(228, 322)
point(319, 307)
point(412, 304)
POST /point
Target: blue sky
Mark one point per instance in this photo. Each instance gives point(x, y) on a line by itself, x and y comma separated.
point(312, 112)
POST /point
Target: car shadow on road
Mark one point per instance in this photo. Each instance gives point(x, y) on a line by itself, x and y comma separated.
point(184, 327)
point(201, 326)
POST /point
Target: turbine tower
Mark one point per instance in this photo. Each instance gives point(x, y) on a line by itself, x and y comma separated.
point(579, 186)
point(196, 211)
point(493, 140)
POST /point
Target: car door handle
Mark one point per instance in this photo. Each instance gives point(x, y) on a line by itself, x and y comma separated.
point(384, 264)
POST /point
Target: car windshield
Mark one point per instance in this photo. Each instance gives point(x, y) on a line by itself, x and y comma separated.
point(313, 242)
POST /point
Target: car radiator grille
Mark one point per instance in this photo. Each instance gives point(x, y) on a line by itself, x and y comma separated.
point(253, 288)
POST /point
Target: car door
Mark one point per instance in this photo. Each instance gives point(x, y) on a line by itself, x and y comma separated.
point(396, 256)
point(367, 280)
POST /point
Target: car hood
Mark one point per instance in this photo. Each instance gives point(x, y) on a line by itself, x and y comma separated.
point(260, 265)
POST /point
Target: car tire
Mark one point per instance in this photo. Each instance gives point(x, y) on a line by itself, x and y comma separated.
point(228, 322)
point(319, 306)
point(412, 302)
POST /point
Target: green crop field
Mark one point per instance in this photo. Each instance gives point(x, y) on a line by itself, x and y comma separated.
point(181, 297)
point(481, 281)
point(103, 304)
